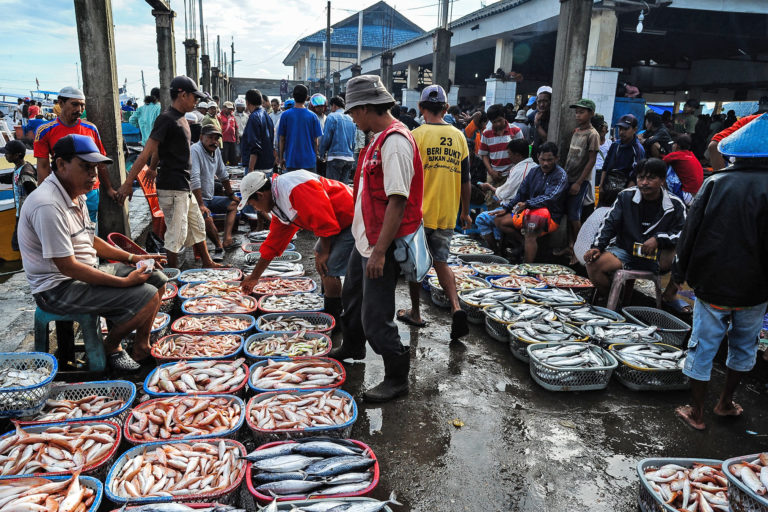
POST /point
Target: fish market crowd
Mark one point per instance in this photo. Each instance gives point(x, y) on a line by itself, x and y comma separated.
point(256, 355)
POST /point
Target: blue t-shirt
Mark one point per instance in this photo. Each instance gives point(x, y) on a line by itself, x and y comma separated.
point(300, 127)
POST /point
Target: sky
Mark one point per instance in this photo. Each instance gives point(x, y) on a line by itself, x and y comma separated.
point(41, 42)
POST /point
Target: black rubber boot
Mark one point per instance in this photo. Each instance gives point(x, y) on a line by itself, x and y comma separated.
point(395, 379)
point(334, 307)
point(348, 350)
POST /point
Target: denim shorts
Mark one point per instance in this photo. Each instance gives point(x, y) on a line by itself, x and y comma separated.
point(631, 262)
point(341, 247)
point(218, 204)
point(439, 243)
point(573, 204)
point(710, 326)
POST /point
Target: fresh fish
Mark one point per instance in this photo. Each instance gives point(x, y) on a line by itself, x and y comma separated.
point(586, 314)
point(183, 416)
point(169, 291)
point(700, 487)
point(511, 313)
point(211, 274)
point(463, 283)
point(567, 281)
point(493, 269)
point(267, 453)
point(517, 282)
point(288, 487)
point(552, 296)
point(196, 324)
point(651, 356)
point(11, 377)
point(228, 304)
point(260, 236)
point(291, 322)
point(753, 474)
point(191, 346)
point(280, 285)
point(284, 463)
point(303, 373)
point(60, 409)
point(301, 411)
point(458, 270)
point(180, 507)
point(283, 269)
point(538, 269)
point(210, 289)
point(489, 297)
point(374, 506)
point(289, 345)
point(208, 376)
point(43, 495)
point(621, 332)
point(344, 488)
point(337, 465)
point(584, 356)
point(295, 302)
point(324, 449)
point(469, 248)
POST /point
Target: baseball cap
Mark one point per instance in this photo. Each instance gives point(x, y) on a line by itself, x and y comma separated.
point(289, 103)
point(584, 103)
point(209, 129)
point(185, 84)
point(544, 88)
point(531, 101)
point(229, 104)
point(627, 121)
point(80, 146)
point(249, 185)
point(213, 104)
point(366, 90)
point(190, 117)
point(239, 102)
point(748, 141)
point(521, 116)
point(15, 147)
point(317, 100)
point(71, 92)
point(202, 104)
point(434, 94)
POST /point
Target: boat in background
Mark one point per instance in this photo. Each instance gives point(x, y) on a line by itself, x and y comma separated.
point(7, 216)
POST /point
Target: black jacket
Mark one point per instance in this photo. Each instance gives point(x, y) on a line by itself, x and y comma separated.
point(621, 227)
point(723, 251)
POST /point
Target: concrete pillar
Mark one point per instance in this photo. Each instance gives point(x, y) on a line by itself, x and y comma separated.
point(192, 52)
point(97, 55)
point(386, 70)
point(453, 95)
point(600, 87)
point(356, 69)
point(441, 57)
point(205, 70)
point(602, 37)
point(411, 98)
point(452, 70)
point(498, 91)
point(215, 81)
point(504, 55)
point(166, 53)
point(336, 83)
point(568, 76)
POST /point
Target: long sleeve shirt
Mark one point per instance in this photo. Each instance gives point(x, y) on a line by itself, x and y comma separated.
point(539, 190)
point(338, 138)
point(257, 140)
point(204, 168)
point(144, 119)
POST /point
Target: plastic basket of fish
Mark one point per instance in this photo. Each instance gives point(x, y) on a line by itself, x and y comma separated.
point(212, 305)
point(672, 330)
point(299, 302)
point(581, 286)
point(169, 297)
point(210, 289)
point(339, 503)
point(224, 472)
point(61, 454)
point(619, 332)
point(213, 324)
point(588, 315)
point(515, 282)
point(252, 258)
point(748, 480)
point(192, 347)
point(492, 269)
point(284, 285)
point(25, 382)
point(474, 301)
point(469, 249)
point(346, 468)
point(254, 247)
point(552, 297)
point(294, 322)
point(207, 377)
point(522, 335)
point(171, 273)
point(650, 366)
point(570, 366)
point(284, 345)
point(463, 283)
point(85, 496)
point(282, 269)
point(185, 417)
point(296, 374)
point(198, 275)
point(281, 415)
point(654, 489)
point(482, 258)
point(542, 269)
point(498, 317)
point(159, 329)
point(92, 401)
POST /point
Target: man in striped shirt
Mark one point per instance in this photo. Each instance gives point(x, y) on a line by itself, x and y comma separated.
point(493, 147)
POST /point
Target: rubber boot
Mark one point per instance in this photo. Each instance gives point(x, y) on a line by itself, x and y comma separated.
point(348, 350)
point(334, 307)
point(395, 383)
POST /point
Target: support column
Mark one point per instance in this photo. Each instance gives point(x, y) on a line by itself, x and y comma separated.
point(452, 70)
point(441, 57)
point(97, 55)
point(336, 83)
point(599, 77)
point(356, 70)
point(498, 91)
point(166, 53)
point(386, 70)
point(192, 53)
point(570, 62)
point(205, 70)
point(504, 55)
point(215, 82)
point(411, 93)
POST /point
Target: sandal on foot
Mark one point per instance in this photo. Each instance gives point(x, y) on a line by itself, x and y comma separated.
point(121, 361)
point(404, 315)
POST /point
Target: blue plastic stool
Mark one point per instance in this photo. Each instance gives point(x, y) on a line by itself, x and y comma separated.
point(473, 230)
point(89, 324)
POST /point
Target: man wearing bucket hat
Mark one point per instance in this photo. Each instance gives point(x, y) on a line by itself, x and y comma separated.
point(389, 185)
point(723, 256)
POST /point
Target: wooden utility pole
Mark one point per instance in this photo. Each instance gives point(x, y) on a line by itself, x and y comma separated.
point(205, 60)
point(166, 51)
point(97, 55)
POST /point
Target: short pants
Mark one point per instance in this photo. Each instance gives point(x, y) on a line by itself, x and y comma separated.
point(218, 204)
point(439, 243)
point(341, 247)
point(574, 204)
point(632, 262)
point(117, 305)
point(184, 223)
point(540, 217)
point(486, 224)
point(710, 325)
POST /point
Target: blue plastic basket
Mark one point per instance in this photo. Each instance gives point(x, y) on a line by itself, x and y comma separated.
point(247, 297)
point(157, 394)
point(183, 290)
point(491, 282)
point(268, 279)
point(222, 496)
point(163, 359)
point(237, 275)
point(309, 334)
point(241, 332)
point(339, 368)
point(324, 322)
point(85, 481)
point(26, 400)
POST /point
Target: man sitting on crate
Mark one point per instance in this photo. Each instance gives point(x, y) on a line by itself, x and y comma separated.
point(640, 231)
point(61, 256)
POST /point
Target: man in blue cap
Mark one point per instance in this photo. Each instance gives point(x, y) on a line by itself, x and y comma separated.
point(723, 255)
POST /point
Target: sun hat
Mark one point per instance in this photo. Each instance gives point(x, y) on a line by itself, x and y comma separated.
point(366, 90)
point(748, 141)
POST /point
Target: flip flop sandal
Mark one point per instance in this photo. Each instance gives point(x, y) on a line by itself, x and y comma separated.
point(405, 317)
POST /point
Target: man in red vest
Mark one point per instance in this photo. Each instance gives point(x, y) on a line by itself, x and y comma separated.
point(388, 189)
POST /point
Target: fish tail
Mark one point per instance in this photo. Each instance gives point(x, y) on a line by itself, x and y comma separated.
point(393, 499)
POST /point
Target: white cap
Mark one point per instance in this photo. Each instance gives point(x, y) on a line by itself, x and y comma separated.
point(202, 104)
point(250, 184)
point(212, 104)
point(239, 102)
point(71, 92)
point(544, 88)
point(191, 117)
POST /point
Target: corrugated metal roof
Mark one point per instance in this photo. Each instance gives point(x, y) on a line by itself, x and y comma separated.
point(373, 36)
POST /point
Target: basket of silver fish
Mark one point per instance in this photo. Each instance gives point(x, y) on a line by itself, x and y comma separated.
point(92, 401)
point(294, 322)
point(198, 275)
point(243, 304)
point(482, 258)
point(281, 269)
point(541, 330)
point(463, 283)
point(301, 302)
point(747, 482)
point(492, 269)
point(74, 493)
point(650, 366)
point(542, 269)
point(213, 324)
point(588, 315)
point(171, 273)
point(673, 484)
point(672, 330)
point(552, 297)
point(53, 449)
point(498, 317)
point(340, 504)
point(570, 366)
point(458, 269)
point(185, 417)
point(191, 347)
point(281, 415)
point(166, 471)
point(181, 507)
point(605, 335)
point(300, 373)
point(474, 301)
point(284, 286)
point(252, 258)
point(469, 249)
point(210, 289)
point(254, 247)
point(169, 297)
point(25, 382)
point(314, 466)
point(577, 284)
point(260, 236)
point(515, 282)
point(207, 377)
point(277, 345)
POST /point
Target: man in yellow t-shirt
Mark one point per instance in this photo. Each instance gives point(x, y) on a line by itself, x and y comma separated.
point(445, 157)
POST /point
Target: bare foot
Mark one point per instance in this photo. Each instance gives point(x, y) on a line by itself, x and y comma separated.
point(733, 409)
point(685, 412)
point(213, 264)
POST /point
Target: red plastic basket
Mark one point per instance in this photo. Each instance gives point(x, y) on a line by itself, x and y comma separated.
point(262, 498)
point(121, 241)
point(170, 286)
point(233, 391)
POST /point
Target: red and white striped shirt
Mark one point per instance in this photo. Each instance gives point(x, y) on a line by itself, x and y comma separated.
point(495, 146)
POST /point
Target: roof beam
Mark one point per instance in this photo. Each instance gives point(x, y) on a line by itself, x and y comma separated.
point(160, 5)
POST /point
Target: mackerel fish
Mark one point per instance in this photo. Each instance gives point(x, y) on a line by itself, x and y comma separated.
point(651, 356)
point(586, 315)
point(547, 330)
point(572, 355)
point(489, 297)
point(212, 274)
point(618, 332)
point(297, 302)
point(512, 313)
point(552, 296)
